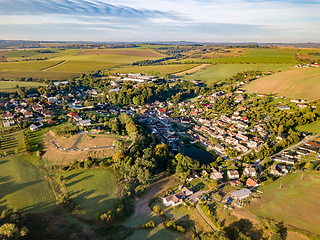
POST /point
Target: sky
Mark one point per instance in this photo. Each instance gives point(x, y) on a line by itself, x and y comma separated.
point(161, 20)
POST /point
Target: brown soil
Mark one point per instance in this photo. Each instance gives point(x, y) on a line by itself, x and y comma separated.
point(54, 156)
point(296, 236)
point(122, 52)
point(97, 141)
point(64, 142)
point(303, 57)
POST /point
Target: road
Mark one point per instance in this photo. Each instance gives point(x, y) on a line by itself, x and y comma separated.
point(205, 218)
point(75, 145)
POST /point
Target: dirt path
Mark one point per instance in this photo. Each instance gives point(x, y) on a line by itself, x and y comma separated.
point(142, 205)
point(193, 70)
point(57, 65)
point(205, 218)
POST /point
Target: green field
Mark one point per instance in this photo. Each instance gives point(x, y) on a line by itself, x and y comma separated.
point(22, 185)
point(7, 85)
point(312, 127)
point(76, 62)
point(11, 144)
point(301, 83)
point(93, 189)
point(164, 69)
point(158, 233)
point(296, 203)
point(257, 55)
point(221, 71)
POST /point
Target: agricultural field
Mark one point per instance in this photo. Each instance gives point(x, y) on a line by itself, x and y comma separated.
point(300, 83)
point(311, 128)
point(10, 85)
point(163, 69)
point(23, 186)
point(218, 72)
point(296, 203)
point(256, 55)
point(12, 144)
point(73, 62)
point(93, 189)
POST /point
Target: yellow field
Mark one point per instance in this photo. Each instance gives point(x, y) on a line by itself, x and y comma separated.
point(301, 83)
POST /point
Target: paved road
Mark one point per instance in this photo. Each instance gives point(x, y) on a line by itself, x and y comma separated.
point(206, 219)
point(75, 145)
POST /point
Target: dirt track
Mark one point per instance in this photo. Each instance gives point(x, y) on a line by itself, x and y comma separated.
point(142, 205)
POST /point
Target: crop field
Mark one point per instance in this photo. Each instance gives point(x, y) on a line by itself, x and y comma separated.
point(93, 189)
point(12, 144)
point(256, 55)
point(221, 71)
point(76, 62)
point(164, 69)
point(301, 83)
point(296, 203)
point(23, 186)
point(312, 127)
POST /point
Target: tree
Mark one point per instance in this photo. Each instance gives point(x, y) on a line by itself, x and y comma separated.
point(9, 230)
point(119, 156)
point(213, 185)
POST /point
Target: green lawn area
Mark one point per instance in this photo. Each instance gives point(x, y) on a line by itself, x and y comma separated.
point(23, 186)
point(312, 127)
point(25, 66)
point(222, 71)
point(157, 233)
point(296, 203)
point(301, 83)
point(9, 144)
point(165, 69)
point(93, 189)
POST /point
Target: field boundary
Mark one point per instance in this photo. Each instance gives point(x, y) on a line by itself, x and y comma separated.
point(56, 65)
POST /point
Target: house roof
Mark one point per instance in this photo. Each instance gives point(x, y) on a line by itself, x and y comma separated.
point(250, 182)
point(241, 193)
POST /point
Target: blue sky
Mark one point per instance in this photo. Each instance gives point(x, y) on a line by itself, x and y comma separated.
point(161, 20)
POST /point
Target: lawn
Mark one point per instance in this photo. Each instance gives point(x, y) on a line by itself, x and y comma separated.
point(23, 186)
point(25, 66)
point(296, 203)
point(164, 69)
point(157, 233)
point(7, 85)
point(12, 144)
point(222, 71)
point(312, 127)
point(93, 189)
point(301, 83)
point(38, 75)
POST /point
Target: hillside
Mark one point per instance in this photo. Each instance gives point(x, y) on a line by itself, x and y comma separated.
point(301, 83)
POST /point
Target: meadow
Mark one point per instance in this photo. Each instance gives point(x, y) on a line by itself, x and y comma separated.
point(301, 83)
point(164, 69)
point(93, 189)
point(296, 203)
point(218, 72)
point(23, 186)
point(12, 144)
point(256, 55)
point(312, 127)
point(10, 85)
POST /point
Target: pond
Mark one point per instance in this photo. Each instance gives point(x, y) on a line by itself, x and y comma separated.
point(199, 154)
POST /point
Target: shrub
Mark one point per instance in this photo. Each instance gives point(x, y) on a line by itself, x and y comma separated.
point(156, 209)
point(149, 224)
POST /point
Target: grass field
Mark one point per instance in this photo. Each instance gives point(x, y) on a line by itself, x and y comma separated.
point(164, 69)
point(157, 233)
point(296, 203)
point(221, 71)
point(77, 62)
point(312, 127)
point(93, 189)
point(22, 185)
point(9, 85)
point(257, 55)
point(301, 83)
point(13, 144)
